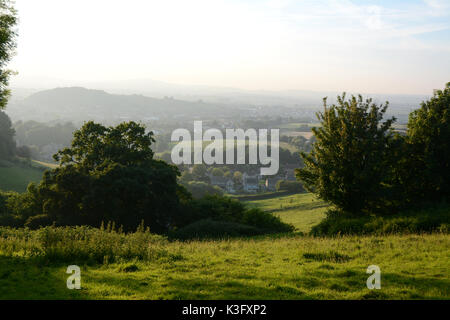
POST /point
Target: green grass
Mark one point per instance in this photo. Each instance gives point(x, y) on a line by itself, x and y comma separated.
point(17, 178)
point(303, 211)
point(291, 266)
point(412, 267)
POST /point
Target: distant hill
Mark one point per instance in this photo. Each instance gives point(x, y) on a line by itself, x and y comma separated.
point(77, 103)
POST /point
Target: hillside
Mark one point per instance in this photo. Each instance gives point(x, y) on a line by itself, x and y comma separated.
point(17, 176)
point(303, 211)
point(278, 267)
point(78, 104)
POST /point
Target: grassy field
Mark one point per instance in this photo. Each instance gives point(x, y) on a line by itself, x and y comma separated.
point(303, 211)
point(412, 267)
point(276, 267)
point(17, 178)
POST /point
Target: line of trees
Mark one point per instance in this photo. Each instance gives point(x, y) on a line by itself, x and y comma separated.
point(109, 174)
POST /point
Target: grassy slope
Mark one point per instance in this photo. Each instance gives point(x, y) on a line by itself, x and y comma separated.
point(17, 178)
point(301, 210)
point(411, 267)
point(284, 267)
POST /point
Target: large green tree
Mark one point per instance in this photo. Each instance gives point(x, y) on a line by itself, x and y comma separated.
point(426, 175)
point(8, 34)
point(351, 162)
point(109, 174)
point(8, 20)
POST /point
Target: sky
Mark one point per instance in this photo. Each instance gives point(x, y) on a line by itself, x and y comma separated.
point(319, 45)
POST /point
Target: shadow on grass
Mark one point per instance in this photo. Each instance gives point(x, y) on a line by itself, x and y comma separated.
point(196, 288)
point(328, 285)
point(393, 285)
point(24, 278)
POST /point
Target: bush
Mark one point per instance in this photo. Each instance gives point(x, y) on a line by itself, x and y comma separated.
point(433, 219)
point(82, 244)
point(15, 207)
point(210, 229)
point(199, 189)
point(265, 221)
point(10, 220)
point(41, 220)
point(231, 212)
point(289, 186)
point(220, 208)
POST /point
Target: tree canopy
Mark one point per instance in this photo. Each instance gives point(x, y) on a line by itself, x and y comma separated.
point(7, 143)
point(109, 174)
point(350, 162)
point(427, 168)
point(8, 20)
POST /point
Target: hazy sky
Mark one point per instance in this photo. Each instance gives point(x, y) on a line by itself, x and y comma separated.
point(364, 46)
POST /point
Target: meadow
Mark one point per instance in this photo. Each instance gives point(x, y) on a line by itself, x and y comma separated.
point(302, 210)
point(15, 176)
point(295, 267)
point(290, 266)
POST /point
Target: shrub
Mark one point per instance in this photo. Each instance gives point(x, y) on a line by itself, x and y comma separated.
point(211, 207)
point(289, 186)
point(210, 229)
point(265, 221)
point(433, 219)
point(224, 209)
point(40, 220)
point(10, 220)
point(199, 189)
point(82, 244)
